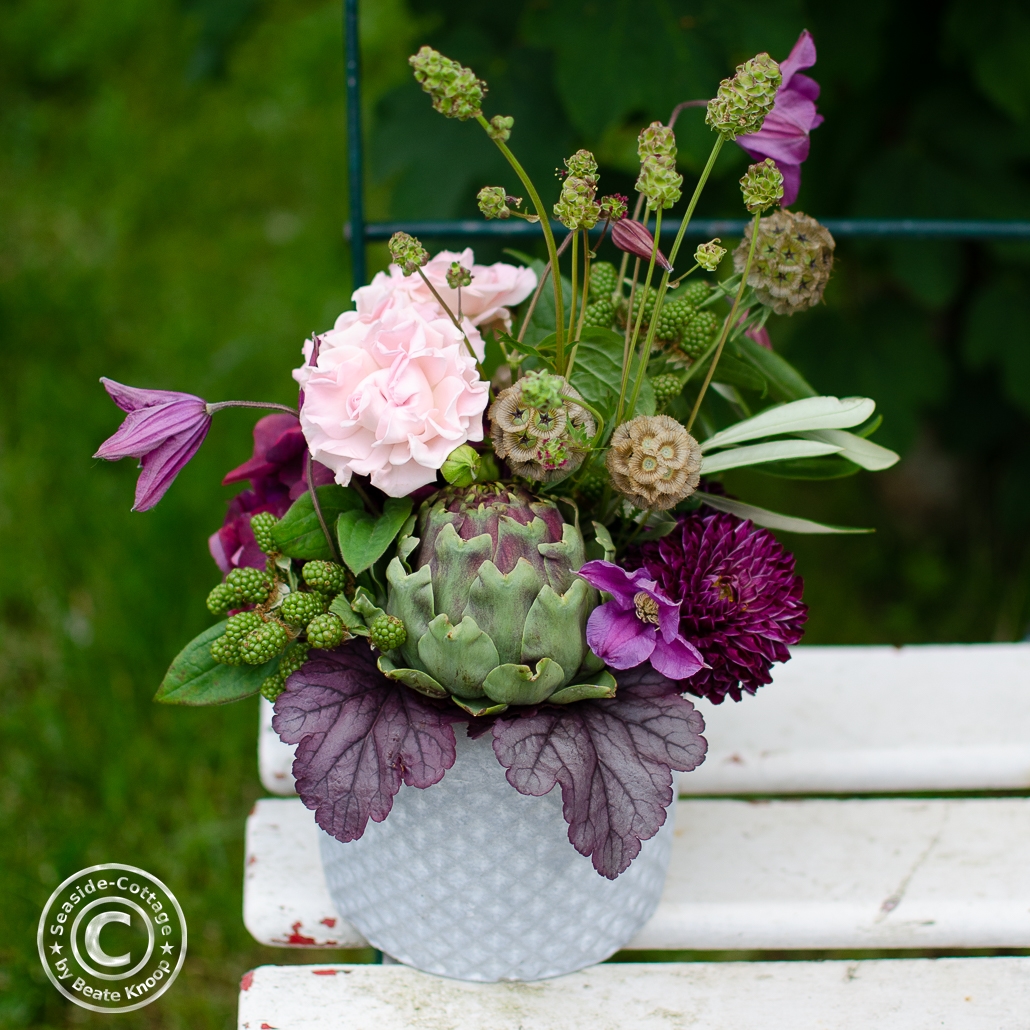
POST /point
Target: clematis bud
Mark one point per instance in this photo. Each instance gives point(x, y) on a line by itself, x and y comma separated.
point(163, 429)
point(743, 101)
point(493, 202)
point(455, 90)
point(632, 236)
point(762, 185)
point(457, 276)
point(408, 254)
point(614, 207)
point(500, 127)
point(708, 255)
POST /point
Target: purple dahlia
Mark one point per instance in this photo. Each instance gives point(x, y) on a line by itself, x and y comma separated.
point(740, 599)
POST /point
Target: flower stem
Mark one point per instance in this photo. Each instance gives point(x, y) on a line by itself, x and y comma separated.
point(586, 284)
point(443, 304)
point(575, 269)
point(689, 213)
point(318, 509)
point(729, 323)
point(552, 250)
point(640, 317)
point(539, 288)
point(263, 405)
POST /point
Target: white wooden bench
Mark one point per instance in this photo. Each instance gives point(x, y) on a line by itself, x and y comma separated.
point(755, 867)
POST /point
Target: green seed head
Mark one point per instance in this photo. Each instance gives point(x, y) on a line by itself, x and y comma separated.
point(493, 202)
point(743, 101)
point(407, 253)
point(500, 127)
point(455, 90)
point(387, 632)
point(762, 186)
point(458, 276)
point(708, 255)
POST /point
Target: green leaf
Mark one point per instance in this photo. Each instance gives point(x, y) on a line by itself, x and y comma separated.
point(195, 678)
point(364, 538)
point(798, 416)
point(756, 454)
point(348, 616)
point(853, 447)
point(298, 533)
point(832, 466)
point(772, 519)
point(784, 381)
point(597, 373)
point(734, 372)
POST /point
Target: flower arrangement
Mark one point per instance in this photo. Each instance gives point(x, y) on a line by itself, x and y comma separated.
point(506, 516)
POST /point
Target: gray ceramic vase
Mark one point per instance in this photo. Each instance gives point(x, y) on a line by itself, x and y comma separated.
point(472, 880)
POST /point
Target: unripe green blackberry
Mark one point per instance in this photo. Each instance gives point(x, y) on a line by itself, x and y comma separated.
point(648, 302)
point(261, 525)
point(251, 586)
point(592, 484)
point(272, 687)
point(665, 387)
point(294, 657)
point(604, 278)
point(673, 319)
point(221, 599)
point(226, 648)
point(696, 293)
point(326, 631)
point(387, 632)
point(601, 313)
point(324, 576)
point(699, 332)
point(298, 608)
point(264, 643)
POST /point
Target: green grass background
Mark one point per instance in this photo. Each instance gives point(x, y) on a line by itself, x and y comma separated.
point(172, 186)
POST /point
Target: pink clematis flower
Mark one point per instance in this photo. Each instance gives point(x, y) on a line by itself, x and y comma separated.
point(163, 429)
point(784, 135)
point(638, 624)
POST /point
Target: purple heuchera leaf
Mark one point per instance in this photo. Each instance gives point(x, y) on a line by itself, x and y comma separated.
point(613, 760)
point(359, 736)
point(162, 428)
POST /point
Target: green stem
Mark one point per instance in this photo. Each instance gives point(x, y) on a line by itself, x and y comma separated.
point(552, 250)
point(640, 316)
point(629, 311)
point(586, 285)
point(728, 324)
point(689, 213)
point(539, 289)
point(575, 268)
point(457, 324)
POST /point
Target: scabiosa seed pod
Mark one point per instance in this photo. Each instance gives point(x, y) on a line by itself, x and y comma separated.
point(740, 599)
point(793, 261)
point(300, 607)
point(500, 127)
point(762, 185)
point(743, 101)
point(654, 462)
point(387, 632)
point(458, 275)
point(455, 90)
point(632, 236)
point(709, 255)
point(408, 254)
point(493, 202)
point(539, 429)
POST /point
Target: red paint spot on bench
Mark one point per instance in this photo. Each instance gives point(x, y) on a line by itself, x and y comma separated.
point(296, 937)
point(328, 922)
point(324, 972)
point(248, 979)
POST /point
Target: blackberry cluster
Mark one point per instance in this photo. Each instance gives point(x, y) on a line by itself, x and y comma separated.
point(604, 280)
point(698, 333)
point(226, 648)
point(673, 319)
point(262, 525)
point(326, 631)
point(593, 482)
point(251, 586)
point(324, 576)
point(666, 387)
point(300, 607)
point(387, 632)
point(262, 644)
point(600, 314)
point(293, 658)
point(696, 293)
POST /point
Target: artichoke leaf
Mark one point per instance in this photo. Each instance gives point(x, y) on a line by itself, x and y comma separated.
point(519, 685)
point(592, 664)
point(562, 557)
point(600, 688)
point(364, 604)
point(476, 706)
point(457, 562)
point(500, 603)
point(414, 678)
point(459, 656)
point(604, 539)
point(555, 625)
point(411, 601)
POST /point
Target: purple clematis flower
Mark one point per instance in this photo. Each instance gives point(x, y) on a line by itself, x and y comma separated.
point(784, 134)
point(637, 624)
point(635, 238)
point(163, 429)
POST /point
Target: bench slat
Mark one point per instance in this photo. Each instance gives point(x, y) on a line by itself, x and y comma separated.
point(819, 874)
point(848, 720)
point(899, 994)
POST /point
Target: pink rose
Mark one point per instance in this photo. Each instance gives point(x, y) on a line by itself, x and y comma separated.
point(391, 394)
point(494, 288)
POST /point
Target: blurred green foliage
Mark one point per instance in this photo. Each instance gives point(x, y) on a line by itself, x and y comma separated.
point(173, 181)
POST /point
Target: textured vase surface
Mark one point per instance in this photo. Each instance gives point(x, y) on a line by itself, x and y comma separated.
point(472, 880)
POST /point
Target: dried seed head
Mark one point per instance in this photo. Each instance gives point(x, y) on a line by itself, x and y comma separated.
point(654, 462)
point(709, 255)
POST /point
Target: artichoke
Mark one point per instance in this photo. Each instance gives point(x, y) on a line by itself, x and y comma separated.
point(493, 611)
